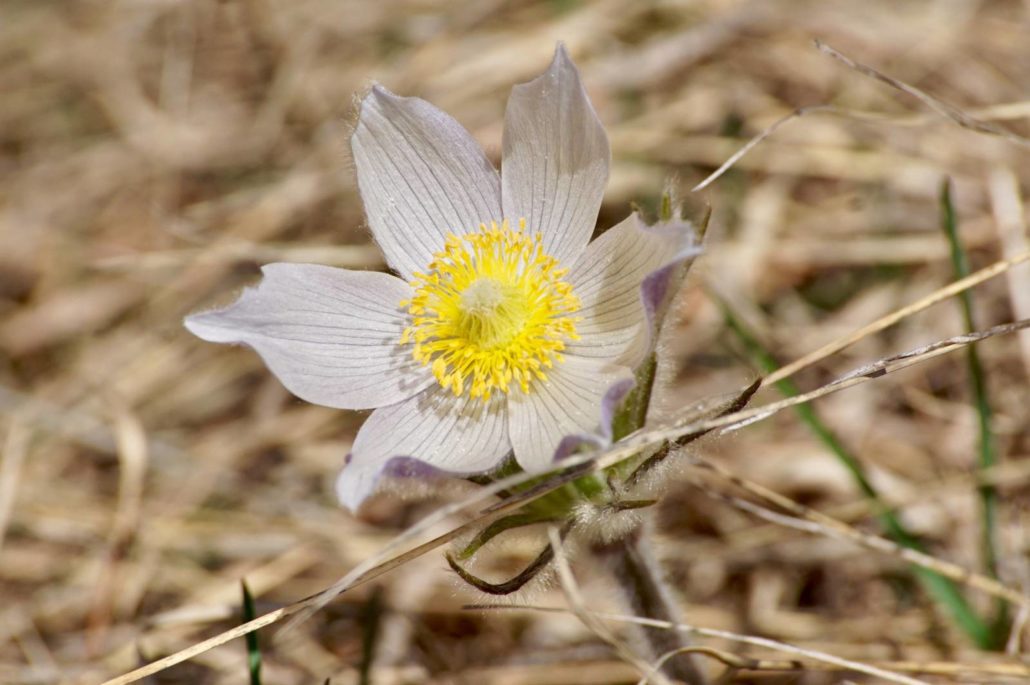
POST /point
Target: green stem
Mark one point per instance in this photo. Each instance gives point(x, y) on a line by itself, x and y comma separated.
point(978, 379)
point(633, 413)
point(253, 647)
point(643, 588)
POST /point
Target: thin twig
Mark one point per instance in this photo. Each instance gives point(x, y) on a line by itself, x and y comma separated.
point(579, 608)
point(745, 663)
point(811, 521)
point(942, 108)
point(15, 448)
point(894, 317)
point(728, 658)
point(846, 664)
point(878, 117)
point(645, 592)
point(1012, 645)
point(734, 406)
point(751, 144)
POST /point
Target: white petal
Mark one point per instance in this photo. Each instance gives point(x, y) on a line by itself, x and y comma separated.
point(556, 158)
point(567, 403)
point(454, 434)
point(421, 176)
point(608, 280)
point(330, 335)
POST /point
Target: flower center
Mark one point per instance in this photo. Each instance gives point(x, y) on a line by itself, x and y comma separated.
point(491, 311)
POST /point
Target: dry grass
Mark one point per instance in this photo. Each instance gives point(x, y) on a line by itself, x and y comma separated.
point(153, 153)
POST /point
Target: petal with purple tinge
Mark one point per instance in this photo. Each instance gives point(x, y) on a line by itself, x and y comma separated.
point(330, 335)
point(571, 444)
point(570, 401)
point(618, 281)
point(457, 435)
point(421, 176)
point(555, 159)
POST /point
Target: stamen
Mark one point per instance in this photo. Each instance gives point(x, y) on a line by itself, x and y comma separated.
point(491, 312)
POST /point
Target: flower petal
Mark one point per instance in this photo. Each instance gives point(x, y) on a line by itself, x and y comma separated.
point(556, 158)
point(458, 435)
point(570, 401)
point(359, 480)
point(330, 335)
point(421, 176)
point(602, 436)
point(610, 283)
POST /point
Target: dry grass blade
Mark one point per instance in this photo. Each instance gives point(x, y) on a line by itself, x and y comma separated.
point(936, 104)
point(944, 593)
point(132, 453)
point(131, 442)
point(14, 449)
point(940, 347)
point(811, 521)
point(579, 608)
point(728, 658)
point(942, 668)
point(1011, 221)
point(814, 655)
point(1016, 634)
point(867, 372)
point(383, 562)
point(884, 322)
point(750, 145)
point(942, 108)
point(208, 644)
point(838, 111)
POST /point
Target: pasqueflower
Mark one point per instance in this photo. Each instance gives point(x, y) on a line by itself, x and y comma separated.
point(504, 330)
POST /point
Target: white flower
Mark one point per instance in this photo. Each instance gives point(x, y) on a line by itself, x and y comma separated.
point(505, 329)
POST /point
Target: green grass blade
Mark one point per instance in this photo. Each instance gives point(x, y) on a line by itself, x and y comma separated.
point(978, 380)
point(370, 620)
point(943, 590)
point(253, 648)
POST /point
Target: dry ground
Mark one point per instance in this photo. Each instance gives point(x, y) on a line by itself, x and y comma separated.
point(153, 153)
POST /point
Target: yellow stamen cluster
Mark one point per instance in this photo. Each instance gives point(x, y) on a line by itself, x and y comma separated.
point(491, 311)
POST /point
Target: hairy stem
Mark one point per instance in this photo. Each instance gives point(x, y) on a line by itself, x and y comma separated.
point(641, 581)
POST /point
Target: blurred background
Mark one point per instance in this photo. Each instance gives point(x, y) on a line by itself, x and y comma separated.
point(153, 153)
